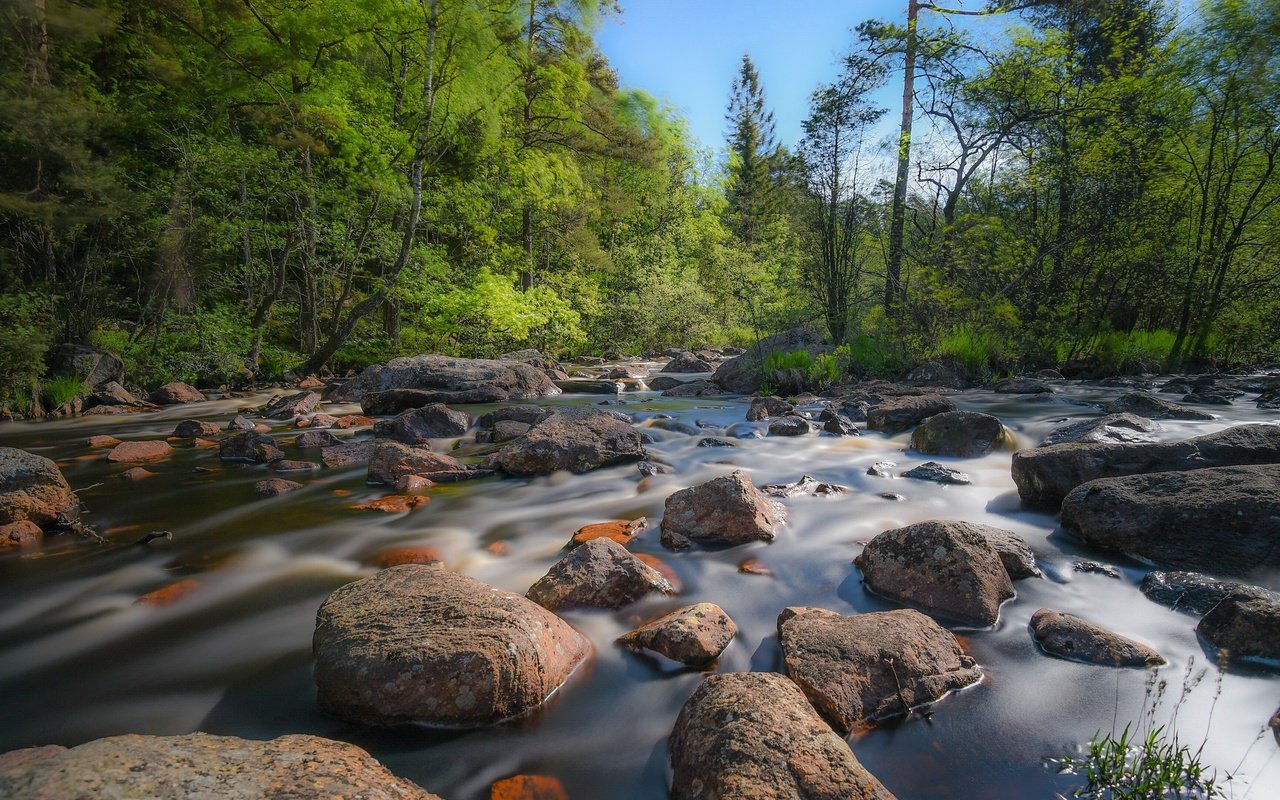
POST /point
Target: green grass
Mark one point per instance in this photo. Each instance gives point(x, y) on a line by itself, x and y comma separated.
point(978, 351)
point(1152, 767)
point(56, 391)
point(1137, 351)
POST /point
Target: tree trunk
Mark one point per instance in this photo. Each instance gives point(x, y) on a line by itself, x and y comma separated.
point(898, 216)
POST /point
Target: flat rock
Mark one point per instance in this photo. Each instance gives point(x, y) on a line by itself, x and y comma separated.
point(694, 635)
point(421, 425)
point(620, 531)
point(198, 765)
point(1152, 407)
point(576, 440)
point(871, 666)
point(1045, 475)
point(317, 439)
point(598, 574)
point(292, 405)
point(152, 450)
point(1070, 637)
point(292, 465)
point(1223, 520)
point(962, 434)
point(420, 644)
point(445, 379)
point(1022, 386)
point(694, 389)
point(346, 455)
point(391, 461)
point(528, 787)
point(1243, 625)
point(933, 471)
point(177, 393)
point(898, 414)
point(945, 568)
point(32, 488)
point(195, 429)
point(527, 414)
point(1192, 591)
point(754, 736)
point(723, 511)
point(250, 446)
point(1109, 429)
point(274, 487)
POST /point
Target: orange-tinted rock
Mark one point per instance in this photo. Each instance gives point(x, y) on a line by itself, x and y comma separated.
point(393, 503)
point(499, 549)
point(166, 595)
point(620, 531)
point(102, 440)
point(754, 566)
point(311, 382)
point(413, 483)
point(664, 569)
point(528, 787)
point(22, 533)
point(153, 450)
point(353, 421)
point(194, 428)
point(301, 423)
point(176, 393)
point(205, 444)
point(32, 488)
point(323, 420)
point(396, 556)
point(136, 473)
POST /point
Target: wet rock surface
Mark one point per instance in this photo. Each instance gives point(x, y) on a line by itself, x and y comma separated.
point(201, 766)
point(576, 440)
point(1244, 625)
point(291, 406)
point(871, 666)
point(723, 511)
point(445, 379)
point(32, 488)
point(687, 362)
point(598, 574)
point(693, 635)
point(177, 393)
point(421, 425)
point(963, 434)
point(391, 461)
point(754, 736)
point(933, 471)
point(1070, 637)
point(899, 414)
point(250, 446)
point(1109, 429)
point(1153, 407)
point(1193, 591)
point(416, 643)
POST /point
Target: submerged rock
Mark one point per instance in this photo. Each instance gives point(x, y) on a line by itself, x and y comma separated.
point(1243, 625)
point(421, 425)
point(1110, 429)
point(32, 488)
point(199, 765)
point(693, 635)
point(933, 471)
point(1192, 591)
point(723, 511)
point(577, 440)
point(870, 666)
point(1070, 637)
point(942, 567)
point(898, 414)
point(963, 434)
point(753, 736)
point(1152, 407)
point(417, 643)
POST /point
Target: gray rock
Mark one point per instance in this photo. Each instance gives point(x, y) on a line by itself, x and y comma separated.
point(1152, 407)
point(1022, 386)
point(1224, 520)
point(807, 486)
point(1110, 429)
point(963, 434)
point(597, 574)
point(1192, 591)
point(1243, 626)
point(345, 455)
point(661, 383)
point(742, 374)
point(590, 387)
point(753, 736)
point(241, 423)
point(942, 567)
point(250, 446)
point(577, 440)
point(291, 406)
point(723, 511)
point(687, 362)
point(194, 428)
point(714, 441)
point(198, 765)
point(693, 389)
point(274, 487)
point(933, 471)
point(317, 439)
point(1070, 637)
point(789, 426)
point(765, 407)
point(421, 425)
point(898, 414)
point(838, 425)
point(505, 430)
point(694, 635)
point(391, 461)
point(870, 666)
point(32, 488)
point(449, 380)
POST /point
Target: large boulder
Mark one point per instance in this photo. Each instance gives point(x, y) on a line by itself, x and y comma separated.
point(597, 574)
point(753, 736)
point(1045, 475)
point(694, 635)
point(577, 440)
point(250, 446)
point(177, 393)
point(1243, 625)
point(1109, 429)
point(32, 488)
point(416, 643)
point(943, 567)
point(963, 434)
point(766, 407)
point(686, 362)
point(113, 394)
point(728, 510)
point(870, 666)
point(92, 365)
point(1152, 407)
point(1221, 519)
point(444, 379)
point(421, 425)
point(198, 765)
point(1070, 637)
point(1192, 591)
point(290, 406)
point(391, 461)
point(898, 414)
point(744, 374)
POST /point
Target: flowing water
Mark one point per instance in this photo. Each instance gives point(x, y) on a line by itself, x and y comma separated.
point(79, 660)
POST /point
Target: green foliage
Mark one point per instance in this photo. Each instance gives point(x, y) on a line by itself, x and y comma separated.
point(56, 391)
point(873, 357)
point(1137, 351)
point(25, 336)
point(203, 346)
point(983, 353)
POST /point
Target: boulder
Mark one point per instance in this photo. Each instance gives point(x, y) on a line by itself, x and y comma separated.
point(660, 383)
point(505, 430)
point(1110, 429)
point(113, 394)
point(391, 461)
point(962, 434)
point(789, 426)
point(765, 407)
point(444, 379)
point(1152, 407)
point(898, 414)
point(577, 440)
point(1192, 591)
point(250, 446)
point(421, 425)
point(742, 374)
point(753, 736)
point(694, 635)
point(1022, 386)
point(943, 567)
point(608, 387)
point(241, 423)
point(870, 666)
point(195, 429)
point(317, 439)
point(1269, 400)
point(687, 362)
point(32, 488)
point(838, 425)
point(933, 471)
point(416, 643)
point(1045, 475)
point(1222, 519)
point(598, 574)
point(92, 365)
point(694, 389)
point(151, 450)
point(723, 511)
point(292, 405)
point(345, 455)
point(22, 533)
point(526, 414)
point(199, 765)
point(1070, 637)
point(1243, 625)
point(274, 487)
point(177, 393)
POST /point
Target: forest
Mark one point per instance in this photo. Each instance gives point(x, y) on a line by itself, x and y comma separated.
point(230, 191)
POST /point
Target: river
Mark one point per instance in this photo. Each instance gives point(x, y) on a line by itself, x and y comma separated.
point(79, 660)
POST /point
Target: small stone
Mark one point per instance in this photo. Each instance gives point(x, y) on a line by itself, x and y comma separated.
point(894, 496)
point(766, 407)
point(406, 484)
point(241, 423)
point(807, 486)
point(22, 533)
point(499, 549)
point(353, 421)
point(840, 425)
point(714, 441)
point(154, 450)
point(620, 531)
point(694, 635)
point(102, 440)
point(933, 471)
point(274, 487)
point(295, 466)
point(136, 474)
point(177, 393)
point(881, 469)
point(311, 382)
point(393, 504)
point(1096, 568)
point(1070, 637)
point(528, 787)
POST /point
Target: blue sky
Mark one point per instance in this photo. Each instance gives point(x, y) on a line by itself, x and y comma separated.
point(687, 51)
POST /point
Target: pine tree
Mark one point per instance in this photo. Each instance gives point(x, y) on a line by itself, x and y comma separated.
point(754, 156)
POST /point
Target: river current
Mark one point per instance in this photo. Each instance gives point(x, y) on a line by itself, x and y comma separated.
point(80, 660)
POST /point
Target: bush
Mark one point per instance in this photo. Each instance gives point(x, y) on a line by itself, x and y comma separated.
point(24, 339)
point(1137, 351)
point(982, 353)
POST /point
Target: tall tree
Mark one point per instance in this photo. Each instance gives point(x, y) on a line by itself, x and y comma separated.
point(754, 156)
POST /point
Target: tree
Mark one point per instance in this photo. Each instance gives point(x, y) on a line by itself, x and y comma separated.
point(754, 156)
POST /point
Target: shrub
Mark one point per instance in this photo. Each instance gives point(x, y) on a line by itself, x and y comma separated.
point(24, 339)
point(1136, 351)
point(56, 391)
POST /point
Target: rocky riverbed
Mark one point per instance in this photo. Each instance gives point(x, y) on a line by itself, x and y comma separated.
point(476, 548)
